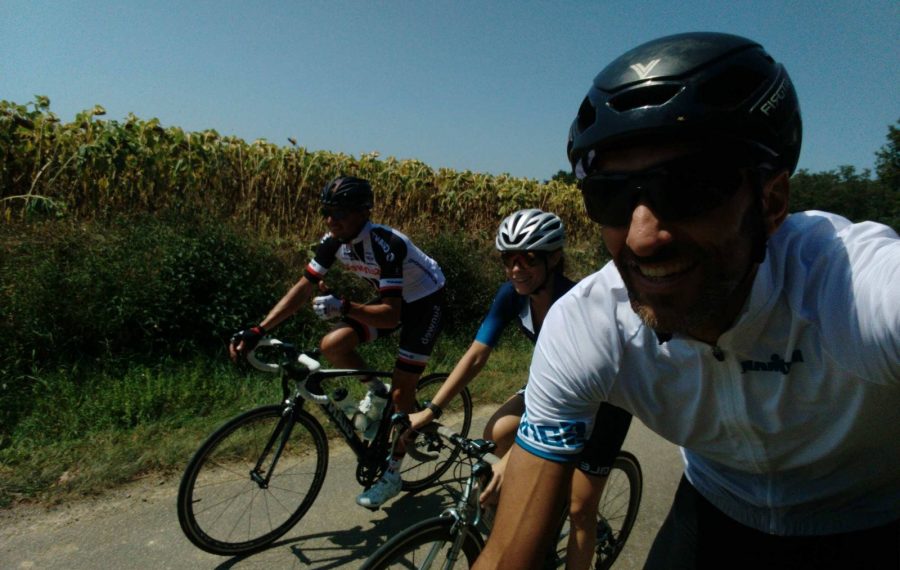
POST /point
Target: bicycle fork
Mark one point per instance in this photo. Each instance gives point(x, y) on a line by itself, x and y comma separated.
point(280, 435)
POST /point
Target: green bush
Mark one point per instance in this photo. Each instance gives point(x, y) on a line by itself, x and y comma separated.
point(473, 272)
point(96, 295)
point(142, 286)
point(98, 299)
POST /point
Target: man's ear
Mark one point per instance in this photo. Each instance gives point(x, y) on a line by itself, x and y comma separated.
point(775, 197)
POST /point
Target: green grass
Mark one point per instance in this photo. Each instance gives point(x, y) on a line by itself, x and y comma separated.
point(95, 430)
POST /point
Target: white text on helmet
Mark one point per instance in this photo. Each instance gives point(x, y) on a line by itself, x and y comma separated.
point(775, 99)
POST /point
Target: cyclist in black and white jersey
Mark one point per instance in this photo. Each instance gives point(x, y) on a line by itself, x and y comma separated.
point(766, 345)
point(531, 244)
point(410, 297)
point(384, 257)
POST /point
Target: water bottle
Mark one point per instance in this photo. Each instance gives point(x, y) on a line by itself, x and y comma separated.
point(361, 421)
point(348, 406)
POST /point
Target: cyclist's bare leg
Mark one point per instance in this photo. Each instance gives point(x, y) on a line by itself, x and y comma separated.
point(503, 424)
point(339, 347)
point(403, 393)
point(585, 496)
point(404, 390)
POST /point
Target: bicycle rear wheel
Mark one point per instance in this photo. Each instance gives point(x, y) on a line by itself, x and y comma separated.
point(457, 415)
point(428, 544)
point(616, 512)
point(232, 501)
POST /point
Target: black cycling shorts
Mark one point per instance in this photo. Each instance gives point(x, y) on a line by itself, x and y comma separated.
point(697, 535)
point(421, 322)
point(600, 450)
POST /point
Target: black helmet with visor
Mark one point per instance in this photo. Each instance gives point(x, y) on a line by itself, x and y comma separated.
point(710, 87)
point(347, 193)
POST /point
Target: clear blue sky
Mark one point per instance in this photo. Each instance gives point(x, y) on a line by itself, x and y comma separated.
point(478, 85)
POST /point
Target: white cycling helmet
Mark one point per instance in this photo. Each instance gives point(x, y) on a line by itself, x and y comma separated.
point(531, 230)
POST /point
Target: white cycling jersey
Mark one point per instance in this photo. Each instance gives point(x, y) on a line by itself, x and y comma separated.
point(384, 257)
point(791, 424)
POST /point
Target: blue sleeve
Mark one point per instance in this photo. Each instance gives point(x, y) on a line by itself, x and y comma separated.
point(504, 309)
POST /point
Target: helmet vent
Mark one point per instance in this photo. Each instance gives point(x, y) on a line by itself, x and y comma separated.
point(644, 96)
point(586, 114)
point(731, 87)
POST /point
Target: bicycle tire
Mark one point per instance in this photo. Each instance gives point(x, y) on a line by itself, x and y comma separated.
point(222, 510)
point(616, 512)
point(619, 517)
point(426, 545)
point(457, 415)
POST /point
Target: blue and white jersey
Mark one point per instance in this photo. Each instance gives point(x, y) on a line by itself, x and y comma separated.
point(509, 305)
point(792, 426)
point(384, 257)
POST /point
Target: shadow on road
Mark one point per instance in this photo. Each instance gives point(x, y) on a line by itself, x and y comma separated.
point(348, 548)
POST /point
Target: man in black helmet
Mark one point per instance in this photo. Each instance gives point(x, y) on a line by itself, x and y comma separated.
point(410, 287)
point(767, 345)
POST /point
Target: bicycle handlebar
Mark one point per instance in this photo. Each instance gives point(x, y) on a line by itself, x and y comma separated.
point(469, 446)
point(304, 359)
point(309, 362)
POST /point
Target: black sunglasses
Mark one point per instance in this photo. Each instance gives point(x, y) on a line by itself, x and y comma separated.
point(676, 190)
point(525, 258)
point(335, 214)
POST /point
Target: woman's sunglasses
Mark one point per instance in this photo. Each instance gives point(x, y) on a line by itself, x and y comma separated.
point(524, 258)
point(675, 190)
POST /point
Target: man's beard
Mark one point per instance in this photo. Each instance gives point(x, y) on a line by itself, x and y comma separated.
point(707, 308)
point(719, 281)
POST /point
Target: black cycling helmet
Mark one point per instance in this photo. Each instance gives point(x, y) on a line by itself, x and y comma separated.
point(348, 193)
point(709, 86)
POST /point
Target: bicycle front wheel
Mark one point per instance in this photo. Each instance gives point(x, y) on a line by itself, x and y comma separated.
point(432, 543)
point(616, 512)
point(457, 415)
point(252, 480)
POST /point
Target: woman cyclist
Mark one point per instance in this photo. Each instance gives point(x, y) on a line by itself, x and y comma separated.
point(531, 249)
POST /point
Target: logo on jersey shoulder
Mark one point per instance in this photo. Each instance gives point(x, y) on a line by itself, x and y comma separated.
point(775, 364)
point(564, 435)
point(384, 245)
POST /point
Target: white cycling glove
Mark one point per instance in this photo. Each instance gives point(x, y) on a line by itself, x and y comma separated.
point(328, 307)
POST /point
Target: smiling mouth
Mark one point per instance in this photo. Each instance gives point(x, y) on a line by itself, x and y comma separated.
point(663, 270)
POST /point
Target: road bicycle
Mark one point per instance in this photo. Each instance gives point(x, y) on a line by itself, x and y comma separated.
point(257, 475)
point(455, 538)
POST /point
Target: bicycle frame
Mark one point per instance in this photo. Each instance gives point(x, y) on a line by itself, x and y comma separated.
point(331, 410)
point(306, 373)
point(468, 511)
point(466, 524)
point(259, 473)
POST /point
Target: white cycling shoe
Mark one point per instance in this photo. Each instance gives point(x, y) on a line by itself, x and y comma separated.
point(382, 491)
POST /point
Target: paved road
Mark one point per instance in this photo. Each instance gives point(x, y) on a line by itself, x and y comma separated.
point(136, 527)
